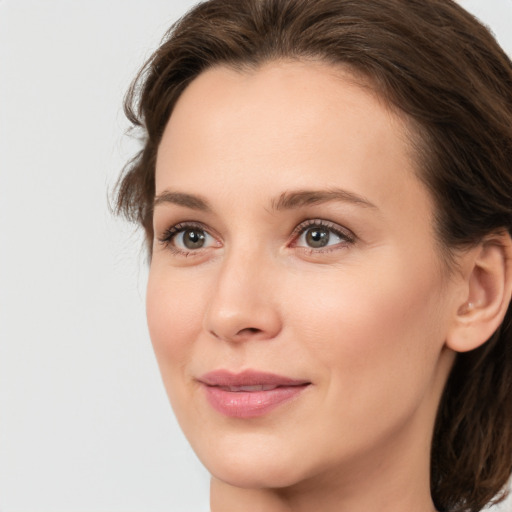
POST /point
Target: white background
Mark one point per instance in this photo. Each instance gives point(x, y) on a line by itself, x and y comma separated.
point(84, 421)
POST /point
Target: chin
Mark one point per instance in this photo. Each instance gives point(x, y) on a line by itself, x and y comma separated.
point(255, 476)
point(261, 465)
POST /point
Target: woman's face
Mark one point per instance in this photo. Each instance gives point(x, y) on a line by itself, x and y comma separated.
point(293, 238)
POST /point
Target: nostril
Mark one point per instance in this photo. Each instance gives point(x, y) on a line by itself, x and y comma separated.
point(249, 330)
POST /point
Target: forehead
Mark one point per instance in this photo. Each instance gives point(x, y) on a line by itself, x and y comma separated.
point(282, 125)
point(285, 98)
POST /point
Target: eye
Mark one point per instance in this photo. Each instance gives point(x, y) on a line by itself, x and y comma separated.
point(185, 238)
point(317, 234)
point(191, 239)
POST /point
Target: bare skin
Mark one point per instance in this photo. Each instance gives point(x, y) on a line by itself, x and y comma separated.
point(253, 163)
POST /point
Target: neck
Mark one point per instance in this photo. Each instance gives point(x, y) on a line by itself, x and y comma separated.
point(391, 477)
point(376, 488)
point(368, 495)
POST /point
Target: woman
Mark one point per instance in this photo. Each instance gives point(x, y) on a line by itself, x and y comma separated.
point(326, 192)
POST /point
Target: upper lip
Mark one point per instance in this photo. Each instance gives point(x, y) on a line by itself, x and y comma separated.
point(248, 378)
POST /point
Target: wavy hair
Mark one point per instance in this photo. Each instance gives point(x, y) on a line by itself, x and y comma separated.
point(442, 69)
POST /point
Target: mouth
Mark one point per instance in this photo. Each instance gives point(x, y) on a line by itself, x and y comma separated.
point(249, 394)
point(250, 389)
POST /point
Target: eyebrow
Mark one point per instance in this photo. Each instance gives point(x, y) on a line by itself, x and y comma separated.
point(300, 198)
point(181, 199)
point(286, 201)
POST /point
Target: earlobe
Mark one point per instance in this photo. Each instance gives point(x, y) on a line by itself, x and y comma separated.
point(488, 290)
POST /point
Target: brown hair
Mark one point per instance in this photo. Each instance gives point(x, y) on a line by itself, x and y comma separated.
point(433, 61)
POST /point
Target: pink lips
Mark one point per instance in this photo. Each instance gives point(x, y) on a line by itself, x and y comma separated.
point(249, 394)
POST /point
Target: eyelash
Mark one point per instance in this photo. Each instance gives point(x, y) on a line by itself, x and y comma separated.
point(347, 237)
point(171, 233)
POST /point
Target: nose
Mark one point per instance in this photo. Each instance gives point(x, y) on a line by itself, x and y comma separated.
point(242, 306)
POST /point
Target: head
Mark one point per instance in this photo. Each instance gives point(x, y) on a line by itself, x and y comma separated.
point(426, 87)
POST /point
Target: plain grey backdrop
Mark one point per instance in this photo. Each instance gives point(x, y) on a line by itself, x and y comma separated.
point(84, 420)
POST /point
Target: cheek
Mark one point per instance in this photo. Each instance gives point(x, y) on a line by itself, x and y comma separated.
point(173, 310)
point(377, 335)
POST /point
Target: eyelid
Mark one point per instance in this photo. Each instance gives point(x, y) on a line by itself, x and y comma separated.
point(170, 234)
point(346, 235)
point(173, 230)
point(342, 232)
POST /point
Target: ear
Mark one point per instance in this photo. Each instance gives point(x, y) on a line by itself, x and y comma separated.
point(487, 290)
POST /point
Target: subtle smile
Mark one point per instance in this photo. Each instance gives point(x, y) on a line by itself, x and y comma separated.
point(249, 394)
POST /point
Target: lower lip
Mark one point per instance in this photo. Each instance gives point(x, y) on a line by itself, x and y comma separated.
point(250, 404)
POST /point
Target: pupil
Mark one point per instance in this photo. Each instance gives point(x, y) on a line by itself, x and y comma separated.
point(193, 239)
point(317, 237)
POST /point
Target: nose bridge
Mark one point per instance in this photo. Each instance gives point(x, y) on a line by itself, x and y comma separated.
point(241, 304)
